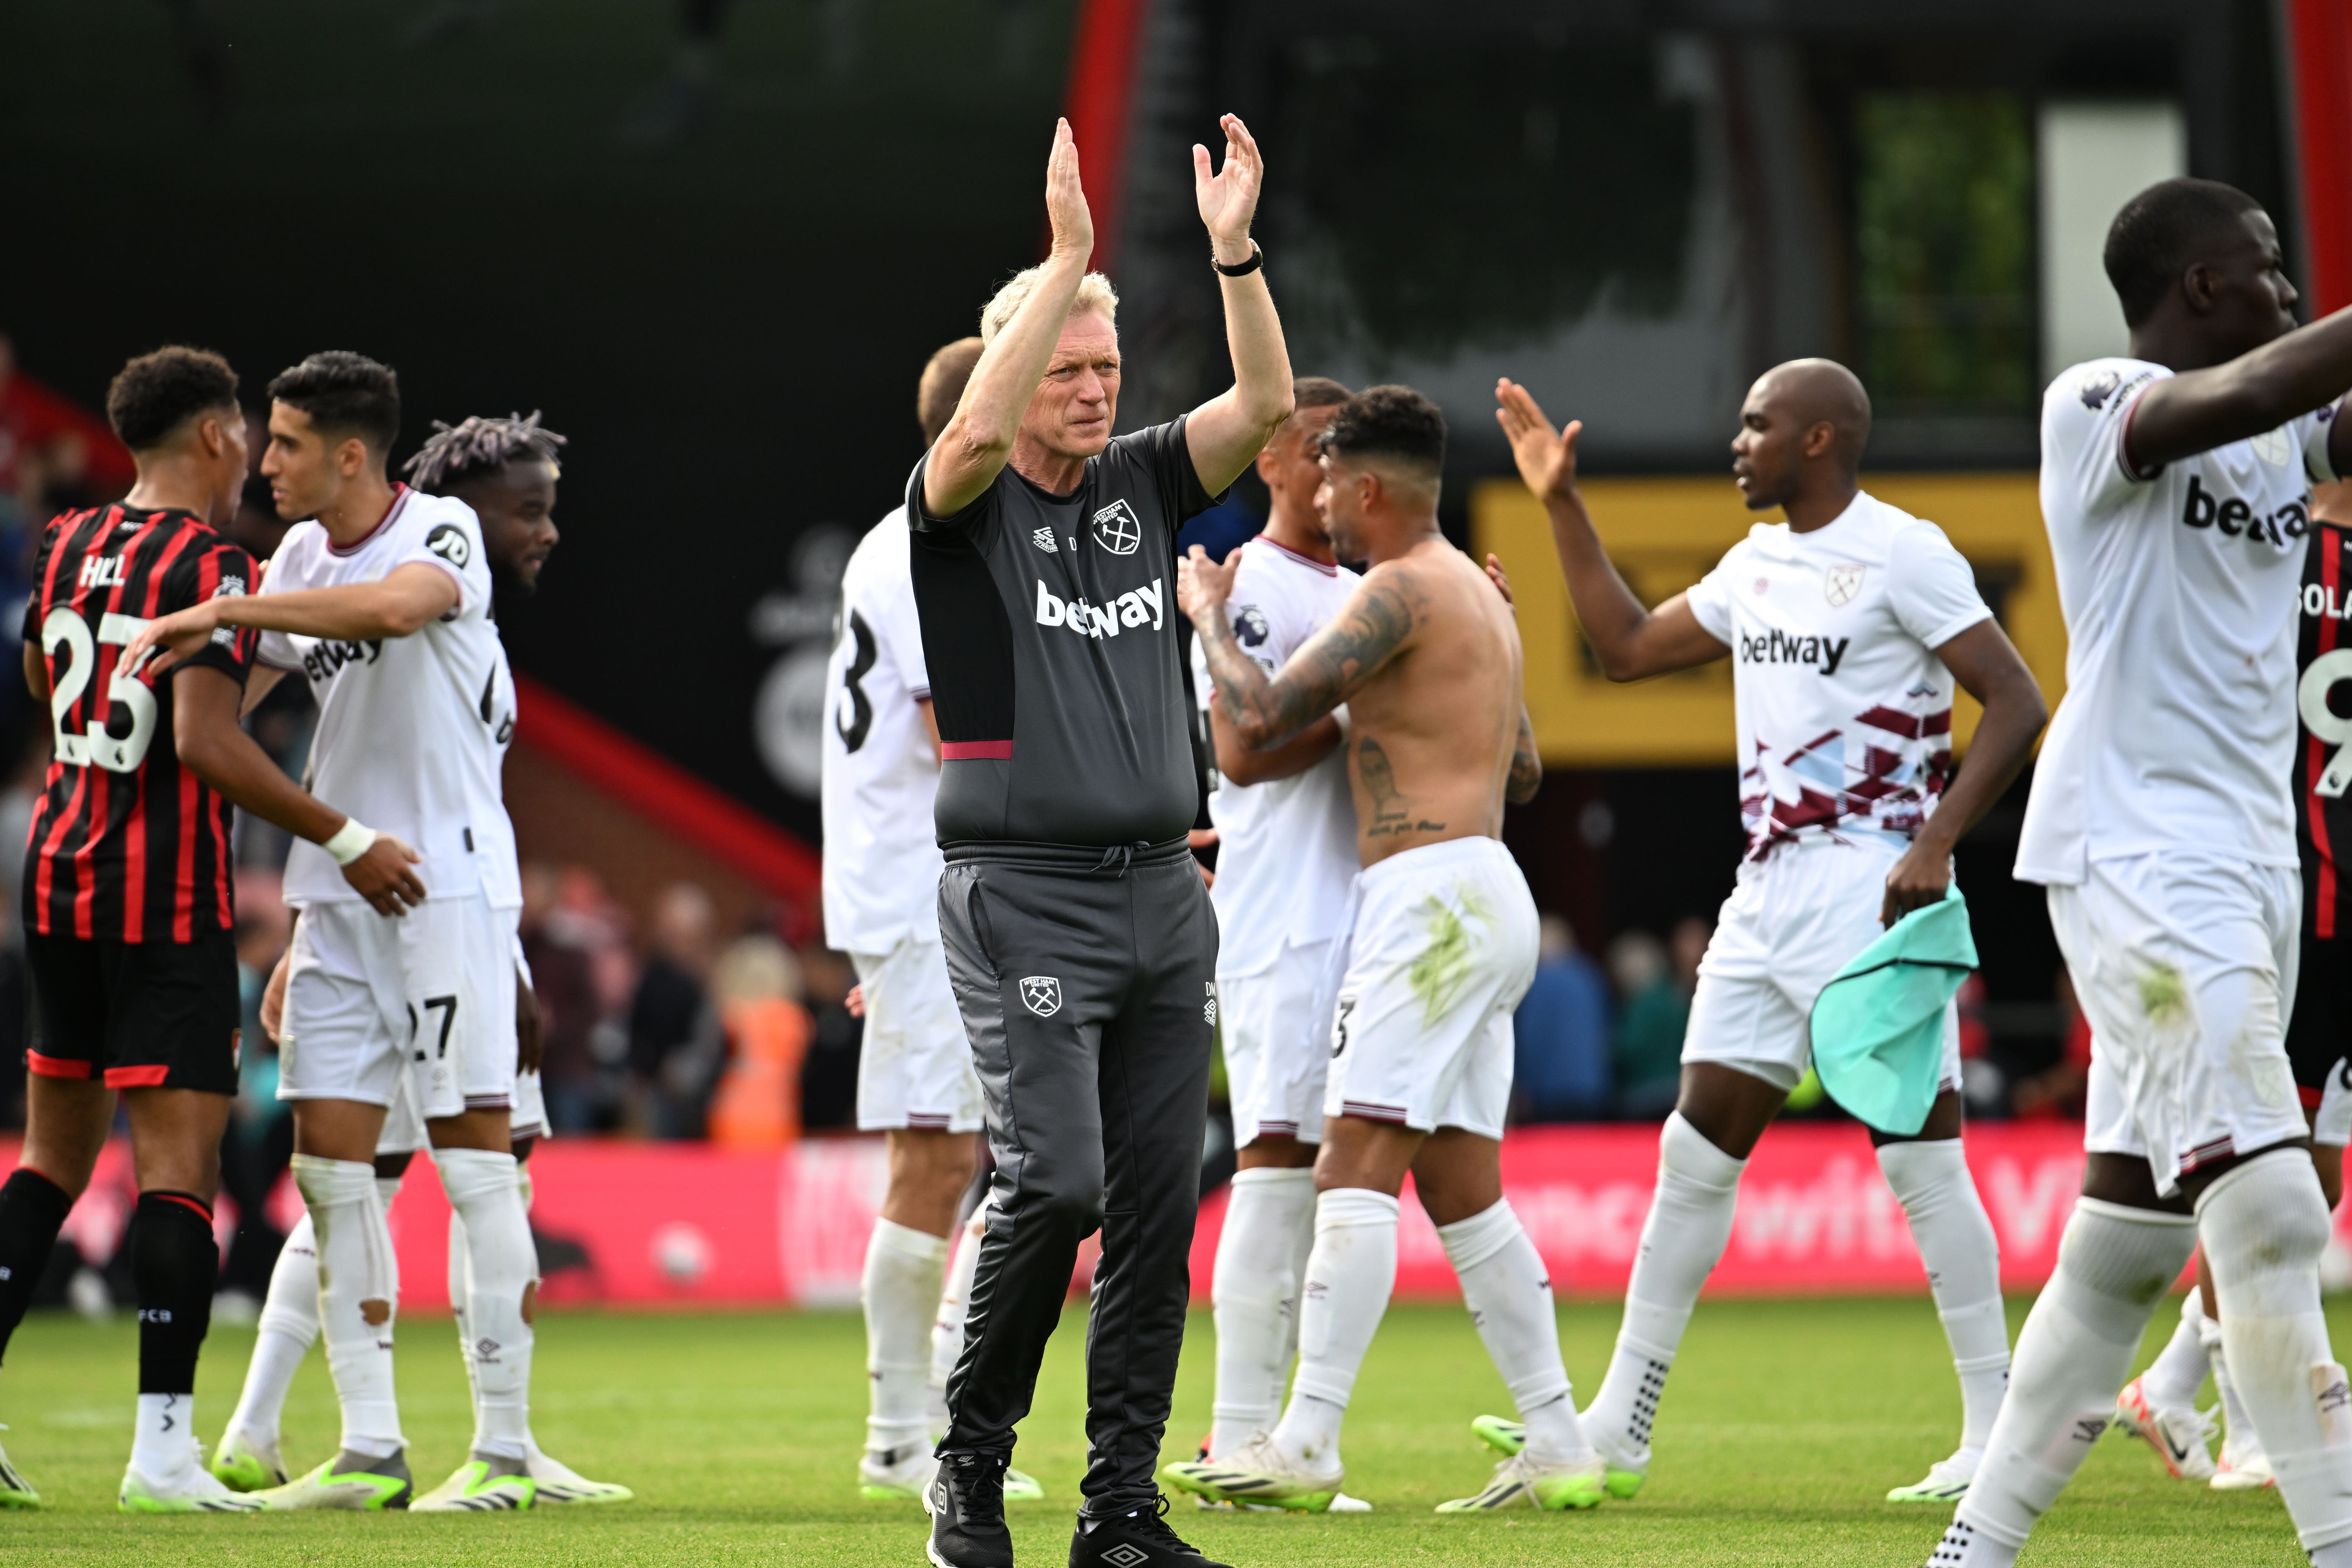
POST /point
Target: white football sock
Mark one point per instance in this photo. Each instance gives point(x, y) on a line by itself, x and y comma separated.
point(1255, 1293)
point(2073, 1356)
point(900, 1292)
point(501, 1267)
point(1688, 1227)
point(163, 1442)
point(1931, 1178)
point(288, 1329)
point(2264, 1225)
point(1508, 1292)
point(2238, 1434)
point(955, 1299)
point(2179, 1371)
point(359, 1297)
point(1350, 1275)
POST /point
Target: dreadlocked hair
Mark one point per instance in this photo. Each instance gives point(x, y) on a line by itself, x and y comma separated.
point(480, 445)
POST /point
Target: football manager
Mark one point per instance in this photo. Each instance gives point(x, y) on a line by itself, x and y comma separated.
point(1079, 940)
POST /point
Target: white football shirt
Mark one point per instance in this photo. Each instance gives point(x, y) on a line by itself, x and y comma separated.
point(1844, 711)
point(411, 730)
point(2179, 588)
point(882, 859)
point(1287, 847)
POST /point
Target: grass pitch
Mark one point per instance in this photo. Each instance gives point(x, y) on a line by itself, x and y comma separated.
point(1785, 1423)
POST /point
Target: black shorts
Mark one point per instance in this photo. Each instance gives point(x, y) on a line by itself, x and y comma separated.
point(2319, 1035)
point(142, 1014)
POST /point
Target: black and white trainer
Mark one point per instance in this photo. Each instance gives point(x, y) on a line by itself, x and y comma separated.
point(1137, 1538)
point(966, 1502)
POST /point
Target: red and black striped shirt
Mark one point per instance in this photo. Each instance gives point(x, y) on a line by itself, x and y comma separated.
point(126, 844)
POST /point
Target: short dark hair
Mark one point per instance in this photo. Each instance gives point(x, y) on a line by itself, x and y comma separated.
point(941, 387)
point(345, 394)
point(456, 453)
point(1390, 422)
point(1318, 392)
point(2160, 232)
point(157, 392)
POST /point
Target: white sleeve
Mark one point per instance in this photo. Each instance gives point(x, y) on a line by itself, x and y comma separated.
point(2314, 428)
point(451, 540)
point(1931, 587)
point(1710, 601)
point(1204, 691)
point(2085, 415)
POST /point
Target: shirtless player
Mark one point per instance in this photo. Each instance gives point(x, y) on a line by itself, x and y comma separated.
point(1440, 947)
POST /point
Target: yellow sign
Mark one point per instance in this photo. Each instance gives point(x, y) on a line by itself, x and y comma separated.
point(1664, 534)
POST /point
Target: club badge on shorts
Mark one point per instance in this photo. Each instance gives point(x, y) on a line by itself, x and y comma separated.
point(1041, 994)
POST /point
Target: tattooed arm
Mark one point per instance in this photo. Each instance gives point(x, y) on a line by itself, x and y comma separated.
point(1264, 713)
point(1526, 765)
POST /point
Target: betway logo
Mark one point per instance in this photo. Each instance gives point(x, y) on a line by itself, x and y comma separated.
point(1780, 648)
point(1091, 620)
point(2234, 516)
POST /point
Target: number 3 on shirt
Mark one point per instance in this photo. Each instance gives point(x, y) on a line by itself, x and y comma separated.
point(65, 631)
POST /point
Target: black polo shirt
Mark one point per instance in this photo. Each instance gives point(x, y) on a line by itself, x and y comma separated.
point(1050, 631)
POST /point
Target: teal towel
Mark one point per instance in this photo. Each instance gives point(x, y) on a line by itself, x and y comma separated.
point(1878, 1026)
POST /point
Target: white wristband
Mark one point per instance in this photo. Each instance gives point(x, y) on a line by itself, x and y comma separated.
point(352, 840)
point(1346, 724)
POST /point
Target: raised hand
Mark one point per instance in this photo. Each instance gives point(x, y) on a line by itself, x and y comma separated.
point(1545, 461)
point(1065, 199)
point(1229, 198)
point(1502, 583)
point(1203, 586)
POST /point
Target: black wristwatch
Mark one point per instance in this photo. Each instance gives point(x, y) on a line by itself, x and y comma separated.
point(1241, 268)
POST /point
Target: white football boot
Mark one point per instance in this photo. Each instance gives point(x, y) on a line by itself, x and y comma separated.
point(2179, 1434)
point(1947, 1480)
point(561, 1483)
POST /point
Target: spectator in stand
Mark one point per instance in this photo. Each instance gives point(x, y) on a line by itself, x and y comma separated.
point(565, 984)
point(1561, 1033)
point(757, 1104)
point(1654, 989)
point(829, 1076)
point(675, 1043)
point(2059, 1090)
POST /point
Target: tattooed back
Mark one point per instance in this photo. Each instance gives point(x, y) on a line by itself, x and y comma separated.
point(1436, 725)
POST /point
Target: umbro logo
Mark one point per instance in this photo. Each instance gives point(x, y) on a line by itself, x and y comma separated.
point(1043, 539)
point(1041, 994)
point(1209, 1008)
point(1126, 1555)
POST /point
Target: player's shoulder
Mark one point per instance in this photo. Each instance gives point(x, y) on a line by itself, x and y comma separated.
point(2082, 394)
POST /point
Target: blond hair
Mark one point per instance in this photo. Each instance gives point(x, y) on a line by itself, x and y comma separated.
point(1096, 296)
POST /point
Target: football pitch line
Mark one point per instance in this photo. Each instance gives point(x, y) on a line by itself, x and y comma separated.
point(1784, 1424)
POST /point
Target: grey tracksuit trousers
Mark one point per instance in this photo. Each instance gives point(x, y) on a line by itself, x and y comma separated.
point(1087, 982)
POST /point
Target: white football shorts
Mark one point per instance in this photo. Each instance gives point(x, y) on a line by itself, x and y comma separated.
point(1276, 1028)
point(1441, 948)
point(404, 1131)
point(1794, 919)
point(2182, 966)
point(429, 994)
point(914, 1068)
